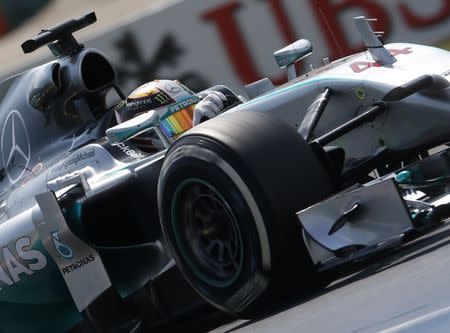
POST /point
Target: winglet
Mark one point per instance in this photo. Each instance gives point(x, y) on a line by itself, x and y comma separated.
point(373, 44)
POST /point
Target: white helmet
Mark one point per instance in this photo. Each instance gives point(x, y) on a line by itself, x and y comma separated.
point(173, 102)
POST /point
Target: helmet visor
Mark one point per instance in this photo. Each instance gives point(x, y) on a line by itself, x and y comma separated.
point(179, 117)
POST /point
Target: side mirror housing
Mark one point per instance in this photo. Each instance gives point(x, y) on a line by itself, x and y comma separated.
point(289, 55)
point(133, 127)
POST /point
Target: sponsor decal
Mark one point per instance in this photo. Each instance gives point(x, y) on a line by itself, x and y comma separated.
point(128, 151)
point(172, 88)
point(15, 145)
point(77, 261)
point(361, 66)
point(77, 264)
point(150, 102)
point(124, 151)
point(182, 105)
point(20, 261)
point(360, 93)
point(63, 250)
point(162, 98)
point(395, 52)
point(73, 160)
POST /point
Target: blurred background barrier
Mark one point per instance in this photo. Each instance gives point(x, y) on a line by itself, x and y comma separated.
point(203, 43)
point(14, 13)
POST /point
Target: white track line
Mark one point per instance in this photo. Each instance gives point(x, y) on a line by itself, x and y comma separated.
point(418, 320)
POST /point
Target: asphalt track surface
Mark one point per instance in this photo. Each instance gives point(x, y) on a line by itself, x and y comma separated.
point(405, 290)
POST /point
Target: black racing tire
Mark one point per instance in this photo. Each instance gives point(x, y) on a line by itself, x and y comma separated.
point(228, 192)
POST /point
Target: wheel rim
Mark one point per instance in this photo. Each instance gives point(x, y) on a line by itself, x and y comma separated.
point(207, 233)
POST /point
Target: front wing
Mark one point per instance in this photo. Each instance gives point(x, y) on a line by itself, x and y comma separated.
point(368, 218)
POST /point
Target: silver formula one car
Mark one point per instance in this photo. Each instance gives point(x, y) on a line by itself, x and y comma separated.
point(326, 169)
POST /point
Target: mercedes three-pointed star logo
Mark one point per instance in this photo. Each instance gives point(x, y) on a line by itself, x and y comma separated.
point(15, 146)
point(172, 88)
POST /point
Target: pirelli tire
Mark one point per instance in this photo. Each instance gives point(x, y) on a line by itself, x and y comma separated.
point(227, 195)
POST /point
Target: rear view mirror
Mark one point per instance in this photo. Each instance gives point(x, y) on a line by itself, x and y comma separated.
point(293, 52)
point(289, 55)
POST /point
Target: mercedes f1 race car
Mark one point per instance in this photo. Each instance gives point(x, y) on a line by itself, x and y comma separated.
point(329, 168)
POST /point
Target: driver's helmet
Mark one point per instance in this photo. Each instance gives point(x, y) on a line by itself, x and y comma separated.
point(173, 102)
